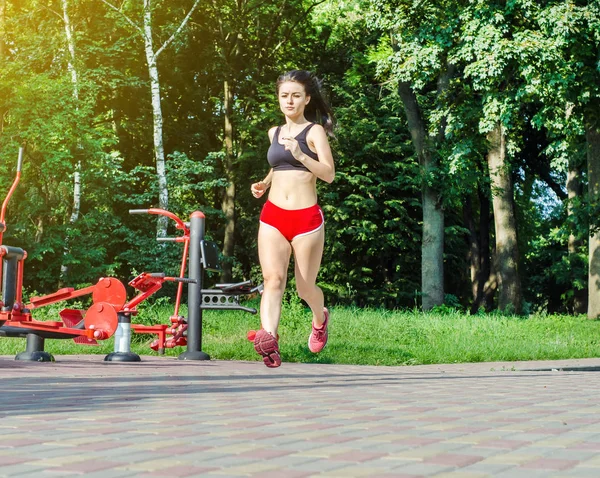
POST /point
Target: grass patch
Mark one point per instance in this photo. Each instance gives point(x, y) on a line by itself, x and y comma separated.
point(372, 337)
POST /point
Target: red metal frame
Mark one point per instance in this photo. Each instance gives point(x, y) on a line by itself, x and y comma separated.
point(148, 284)
point(5, 203)
point(3, 212)
point(185, 238)
point(58, 296)
point(21, 316)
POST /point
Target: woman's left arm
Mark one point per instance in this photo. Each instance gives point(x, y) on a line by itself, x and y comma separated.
point(323, 168)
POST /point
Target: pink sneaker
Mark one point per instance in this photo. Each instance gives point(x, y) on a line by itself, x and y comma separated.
point(318, 336)
point(266, 345)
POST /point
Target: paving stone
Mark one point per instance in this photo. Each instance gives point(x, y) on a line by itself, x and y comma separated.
point(320, 466)
point(114, 473)
point(489, 469)
point(577, 472)
point(422, 469)
point(579, 455)
point(226, 461)
point(525, 473)
point(20, 470)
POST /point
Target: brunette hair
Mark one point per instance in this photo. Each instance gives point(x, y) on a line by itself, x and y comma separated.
point(318, 109)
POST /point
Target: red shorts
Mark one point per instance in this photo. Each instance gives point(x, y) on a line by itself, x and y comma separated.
point(292, 223)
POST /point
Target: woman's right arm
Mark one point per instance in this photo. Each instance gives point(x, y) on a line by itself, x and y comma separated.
point(268, 178)
point(259, 188)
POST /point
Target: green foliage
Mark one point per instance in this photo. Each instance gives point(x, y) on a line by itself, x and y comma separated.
point(531, 65)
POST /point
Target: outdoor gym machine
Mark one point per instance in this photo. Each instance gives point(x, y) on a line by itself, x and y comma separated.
point(110, 312)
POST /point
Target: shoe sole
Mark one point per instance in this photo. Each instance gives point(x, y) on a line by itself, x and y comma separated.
point(266, 346)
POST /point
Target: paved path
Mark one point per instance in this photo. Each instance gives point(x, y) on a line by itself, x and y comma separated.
point(165, 418)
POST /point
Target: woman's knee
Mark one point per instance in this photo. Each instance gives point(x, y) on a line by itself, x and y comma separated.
point(274, 282)
point(307, 291)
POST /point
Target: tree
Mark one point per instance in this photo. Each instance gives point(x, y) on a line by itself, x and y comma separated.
point(506, 257)
point(152, 54)
point(502, 55)
point(71, 66)
point(571, 106)
point(414, 58)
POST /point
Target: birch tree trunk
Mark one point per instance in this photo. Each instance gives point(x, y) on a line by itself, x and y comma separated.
point(77, 173)
point(432, 242)
point(71, 48)
point(159, 150)
point(228, 202)
point(2, 29)
point(592, 136)
point(507, 253)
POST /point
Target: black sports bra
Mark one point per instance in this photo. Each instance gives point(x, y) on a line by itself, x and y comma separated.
point(281, 159)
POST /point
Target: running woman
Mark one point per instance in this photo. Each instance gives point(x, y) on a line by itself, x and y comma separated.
point(291, 219)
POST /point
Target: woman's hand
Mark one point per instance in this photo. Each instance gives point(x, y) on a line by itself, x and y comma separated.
point(258, 189)
point(291, 145)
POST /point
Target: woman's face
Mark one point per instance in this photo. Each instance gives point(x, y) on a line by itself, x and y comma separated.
point(292, 99)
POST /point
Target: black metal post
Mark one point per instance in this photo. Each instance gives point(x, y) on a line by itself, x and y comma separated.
point(9, 282)
point(34, 351)
point(12, 256)
point(196, 271)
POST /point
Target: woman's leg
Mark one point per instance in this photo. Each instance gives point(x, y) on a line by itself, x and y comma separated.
point(308, 251)
point(274, 253)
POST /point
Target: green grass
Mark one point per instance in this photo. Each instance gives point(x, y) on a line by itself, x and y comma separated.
point(374, 337)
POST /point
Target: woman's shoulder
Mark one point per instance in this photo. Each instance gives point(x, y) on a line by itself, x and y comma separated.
point(272, 131)
point(315, 130)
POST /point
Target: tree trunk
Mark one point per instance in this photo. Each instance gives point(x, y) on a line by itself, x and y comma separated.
point(592, 136)
point(71, 48)
point(507, 253)
point(228, 202)
point(473, 258)
point(482, 289)
point(432, 243)
point(488, 283)
point(574, 192)
point(39, 230)
point(64, 269)
point(159, 150)
point(2, 29)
